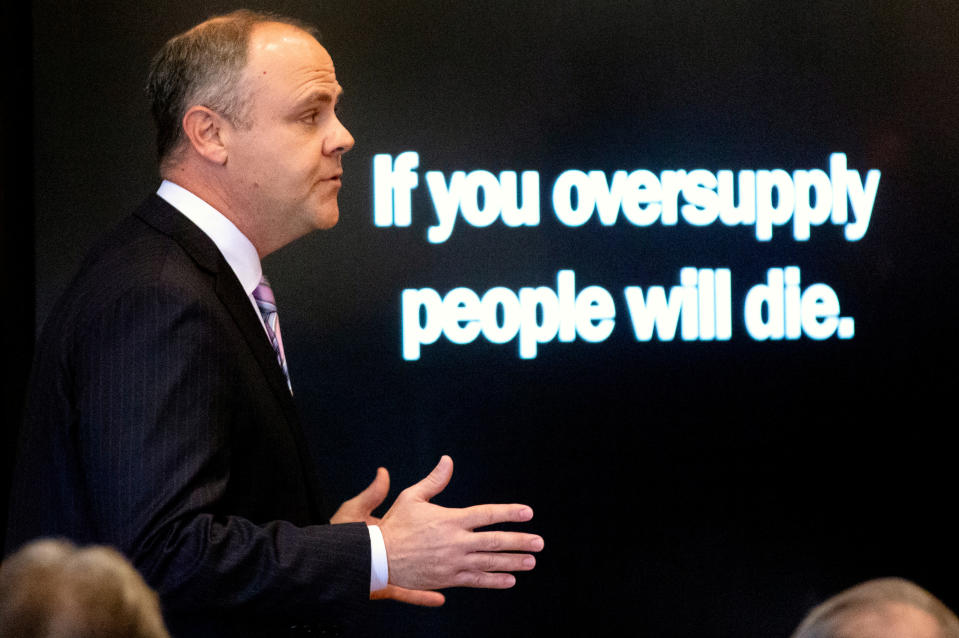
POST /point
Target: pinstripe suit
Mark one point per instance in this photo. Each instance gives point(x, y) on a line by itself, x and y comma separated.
point(158, 421)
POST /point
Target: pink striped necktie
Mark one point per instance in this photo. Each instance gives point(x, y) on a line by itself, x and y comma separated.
point(263, 295)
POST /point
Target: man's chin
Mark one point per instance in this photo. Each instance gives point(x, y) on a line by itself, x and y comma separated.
point(327, 219)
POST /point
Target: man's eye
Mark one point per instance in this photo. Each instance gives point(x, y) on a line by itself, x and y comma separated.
point(311, 117)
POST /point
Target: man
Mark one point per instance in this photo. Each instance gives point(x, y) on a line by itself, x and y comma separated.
point(880, 608)
point(160, 418)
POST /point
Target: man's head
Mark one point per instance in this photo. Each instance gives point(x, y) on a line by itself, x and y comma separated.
point(52, 589)
point(881, 608)
point(244, 107)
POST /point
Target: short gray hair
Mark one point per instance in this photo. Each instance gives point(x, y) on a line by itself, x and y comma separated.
point(203, 66)
point(829, 619)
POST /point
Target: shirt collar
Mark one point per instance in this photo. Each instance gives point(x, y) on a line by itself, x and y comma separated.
point(238, 251)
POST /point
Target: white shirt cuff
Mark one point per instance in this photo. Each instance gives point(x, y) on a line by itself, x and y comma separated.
point(379, 567)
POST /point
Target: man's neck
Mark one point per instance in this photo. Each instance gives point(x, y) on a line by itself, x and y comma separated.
point(211, 190)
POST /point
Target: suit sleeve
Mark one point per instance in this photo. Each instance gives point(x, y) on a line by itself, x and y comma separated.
point(155, 438)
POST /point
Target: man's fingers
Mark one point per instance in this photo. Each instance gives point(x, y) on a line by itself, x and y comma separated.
point(421, 597)
point(485, 580)
point(375, 493)
point(505, 542)
point(435, 482)
point(498, 562)
point(485, 515)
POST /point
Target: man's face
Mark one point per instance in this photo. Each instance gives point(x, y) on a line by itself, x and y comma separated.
point(286, 165)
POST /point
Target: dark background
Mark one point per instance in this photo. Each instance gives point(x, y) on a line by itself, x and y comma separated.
point(707, 489)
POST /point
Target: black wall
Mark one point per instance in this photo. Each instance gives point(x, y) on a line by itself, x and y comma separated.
point(16, 231)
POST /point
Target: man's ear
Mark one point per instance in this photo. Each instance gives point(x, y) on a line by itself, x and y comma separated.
point(204, 128)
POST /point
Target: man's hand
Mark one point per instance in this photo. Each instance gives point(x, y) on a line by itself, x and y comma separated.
point(433, 547)
point(359, 509)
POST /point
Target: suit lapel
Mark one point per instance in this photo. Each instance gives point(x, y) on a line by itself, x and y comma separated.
point(165, 218)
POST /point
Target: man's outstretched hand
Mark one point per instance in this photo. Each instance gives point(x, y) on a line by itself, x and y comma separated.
point(359, 509)
point(432, 547)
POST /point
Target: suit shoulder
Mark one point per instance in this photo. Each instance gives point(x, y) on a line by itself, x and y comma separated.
point(132, 260)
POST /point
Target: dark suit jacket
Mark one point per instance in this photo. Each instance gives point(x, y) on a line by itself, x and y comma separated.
point(159, 422)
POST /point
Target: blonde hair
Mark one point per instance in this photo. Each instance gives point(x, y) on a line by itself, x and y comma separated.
point(52, 589)
point(829, 619)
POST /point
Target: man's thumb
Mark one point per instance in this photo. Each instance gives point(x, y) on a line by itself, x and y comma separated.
point(436, 481)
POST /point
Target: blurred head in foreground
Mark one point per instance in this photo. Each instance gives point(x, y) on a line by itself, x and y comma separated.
point(52, 589)
point(881, 608)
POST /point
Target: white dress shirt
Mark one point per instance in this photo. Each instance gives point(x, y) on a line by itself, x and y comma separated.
point(240, 253)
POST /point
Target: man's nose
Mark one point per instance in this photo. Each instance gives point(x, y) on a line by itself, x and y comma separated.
point(340, 141)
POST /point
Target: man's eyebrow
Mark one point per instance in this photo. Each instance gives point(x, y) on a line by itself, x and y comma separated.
point(321, 96)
